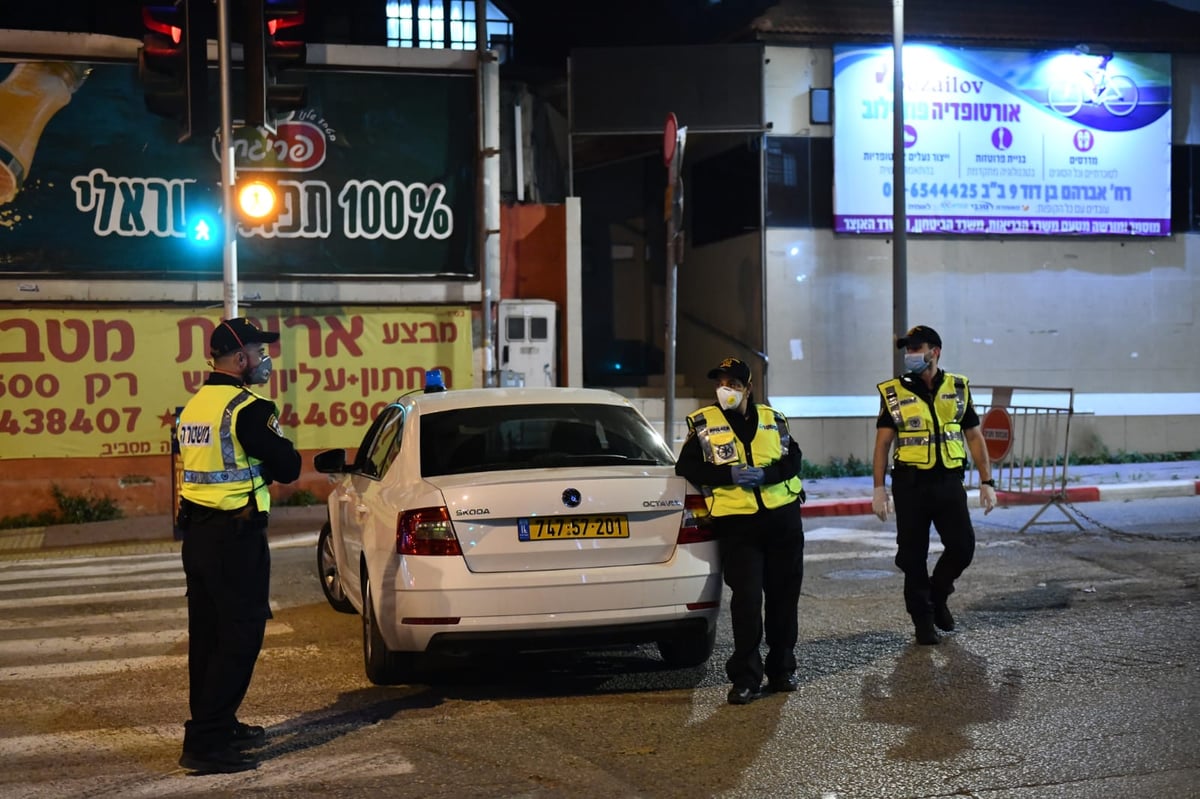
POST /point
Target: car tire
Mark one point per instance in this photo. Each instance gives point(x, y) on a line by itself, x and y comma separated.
point(688, 650)
point(383, 666)
point(327, 573)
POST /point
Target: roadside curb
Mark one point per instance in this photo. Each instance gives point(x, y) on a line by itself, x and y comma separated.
point(298, 524)
point(1097, 493)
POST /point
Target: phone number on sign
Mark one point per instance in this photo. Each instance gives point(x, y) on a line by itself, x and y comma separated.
point(338, 414)
point(58, 421)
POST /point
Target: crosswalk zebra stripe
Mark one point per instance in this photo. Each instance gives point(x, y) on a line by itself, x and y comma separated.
point(114, 618)
point(91, 643)
point(93, 668)
point(107, 570)
point(92, 599)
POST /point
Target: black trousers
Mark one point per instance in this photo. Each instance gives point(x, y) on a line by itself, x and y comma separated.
point(228, 567)
point(762, 557)
point(934, 497)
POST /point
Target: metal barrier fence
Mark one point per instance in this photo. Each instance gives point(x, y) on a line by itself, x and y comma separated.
point(1028, 432)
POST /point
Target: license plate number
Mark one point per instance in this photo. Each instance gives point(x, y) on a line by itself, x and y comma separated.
point(557, 528)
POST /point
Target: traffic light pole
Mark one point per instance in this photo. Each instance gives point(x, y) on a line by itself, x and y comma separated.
point(228, 167)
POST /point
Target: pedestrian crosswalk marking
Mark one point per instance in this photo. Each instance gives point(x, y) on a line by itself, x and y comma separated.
point(76, 644)
point(93, 668)
point(132, 595)
point(97, 619)
point(116, 618)
point(88, 582)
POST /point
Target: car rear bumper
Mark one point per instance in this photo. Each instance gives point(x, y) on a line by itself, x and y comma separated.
point(644, 601)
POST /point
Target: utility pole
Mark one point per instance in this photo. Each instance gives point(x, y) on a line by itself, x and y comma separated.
point(674, 140)
point(899, 189)
point(228, 167)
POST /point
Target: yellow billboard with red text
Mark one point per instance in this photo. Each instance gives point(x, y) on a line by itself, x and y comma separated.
point(94, 383)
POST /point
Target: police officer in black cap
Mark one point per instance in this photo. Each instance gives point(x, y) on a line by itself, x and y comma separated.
point(928, 414)
point(742, 456)
point(232, 449)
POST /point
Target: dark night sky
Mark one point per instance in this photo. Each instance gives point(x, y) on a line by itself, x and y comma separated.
point(545, 29)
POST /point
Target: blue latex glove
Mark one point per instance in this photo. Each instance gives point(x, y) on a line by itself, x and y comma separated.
point(747, 476)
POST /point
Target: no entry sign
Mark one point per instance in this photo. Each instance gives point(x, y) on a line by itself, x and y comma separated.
point(997, 433)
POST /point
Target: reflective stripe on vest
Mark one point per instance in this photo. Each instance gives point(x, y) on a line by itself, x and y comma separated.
point(720, 446)
point(219, 474)
point(919, 436)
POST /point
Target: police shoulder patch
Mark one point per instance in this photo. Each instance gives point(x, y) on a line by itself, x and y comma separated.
point(273, 423)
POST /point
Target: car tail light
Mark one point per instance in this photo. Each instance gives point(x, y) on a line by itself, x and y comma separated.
point(696, 525)
point(426, 531)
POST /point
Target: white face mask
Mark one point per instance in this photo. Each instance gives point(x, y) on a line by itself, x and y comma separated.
point(728, 398)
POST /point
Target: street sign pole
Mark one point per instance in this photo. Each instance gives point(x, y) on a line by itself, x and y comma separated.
point(899, 190)
point(228, 168)
point(674, 140)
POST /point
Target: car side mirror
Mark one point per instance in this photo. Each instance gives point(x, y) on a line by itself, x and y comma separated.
point(331, 461)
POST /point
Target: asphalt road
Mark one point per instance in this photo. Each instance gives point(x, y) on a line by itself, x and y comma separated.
point(1075, 673)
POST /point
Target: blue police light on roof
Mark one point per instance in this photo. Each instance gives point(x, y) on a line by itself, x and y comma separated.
point(434, 381)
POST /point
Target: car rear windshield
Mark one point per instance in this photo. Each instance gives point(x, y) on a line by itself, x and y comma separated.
point(501, 438)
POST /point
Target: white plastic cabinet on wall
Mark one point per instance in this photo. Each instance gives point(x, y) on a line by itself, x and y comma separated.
point(529, 341)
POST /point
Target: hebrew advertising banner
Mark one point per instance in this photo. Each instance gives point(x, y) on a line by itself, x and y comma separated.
point(97, 383)
point(1003, 142)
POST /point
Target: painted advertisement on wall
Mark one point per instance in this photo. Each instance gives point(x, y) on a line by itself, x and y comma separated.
point(1005, 142)
point(99, 383)
point(377, 177)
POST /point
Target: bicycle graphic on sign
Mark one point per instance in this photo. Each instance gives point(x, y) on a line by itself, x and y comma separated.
point(1118, 94)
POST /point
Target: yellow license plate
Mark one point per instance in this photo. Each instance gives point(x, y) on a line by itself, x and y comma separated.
point(554, 528)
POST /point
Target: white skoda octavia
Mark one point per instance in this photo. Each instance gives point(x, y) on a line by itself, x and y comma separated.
point(516, 520)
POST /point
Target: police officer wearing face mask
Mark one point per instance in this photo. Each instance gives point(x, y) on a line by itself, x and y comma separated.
point(232, 449)
point(742, 457)
point(928, 414)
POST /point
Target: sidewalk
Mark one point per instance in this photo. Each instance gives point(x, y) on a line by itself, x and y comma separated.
point(851, 496)
point(839, 496)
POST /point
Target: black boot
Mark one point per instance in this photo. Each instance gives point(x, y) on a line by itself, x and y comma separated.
point(927, 634)
point(942, 616)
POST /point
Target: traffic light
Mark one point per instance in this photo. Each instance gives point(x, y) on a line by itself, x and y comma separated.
point(256, 200)
point(266, 58)
point(173, 62)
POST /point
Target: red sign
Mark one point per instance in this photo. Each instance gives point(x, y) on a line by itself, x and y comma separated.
point(670, 139)
point(997, 433)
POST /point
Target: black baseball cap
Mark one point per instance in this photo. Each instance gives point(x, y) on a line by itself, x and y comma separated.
point(233, 334)
point(732, 367)
point(919, 335)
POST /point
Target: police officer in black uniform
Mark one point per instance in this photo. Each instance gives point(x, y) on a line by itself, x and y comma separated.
point(929, 415)
point(232, 448)
point(742, 456)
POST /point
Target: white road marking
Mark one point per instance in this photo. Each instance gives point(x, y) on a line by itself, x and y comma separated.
point(97, 581)
point(73, 645)
point(92, 668)
point(116, 618)
point(160, 566)
point(873, 543)
point(93, 599)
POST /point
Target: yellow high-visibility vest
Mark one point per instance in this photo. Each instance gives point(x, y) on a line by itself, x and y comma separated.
point(217, 472)
point(721, 446)
point(918, 437)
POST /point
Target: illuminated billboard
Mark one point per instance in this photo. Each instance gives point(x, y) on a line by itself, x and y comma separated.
point(376, 177)
point(1005, 142)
